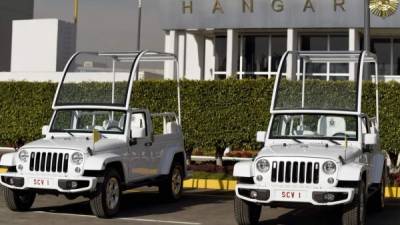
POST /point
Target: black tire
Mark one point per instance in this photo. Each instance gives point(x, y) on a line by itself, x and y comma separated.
point(377, 201)
point(355, 212)
point(172, 187)
point(18, 201)
point(106, 201)
point(246, 213)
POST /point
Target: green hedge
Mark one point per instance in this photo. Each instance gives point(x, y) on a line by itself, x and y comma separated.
point(216, 114)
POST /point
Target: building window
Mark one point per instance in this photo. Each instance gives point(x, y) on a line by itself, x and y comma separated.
point(278, 48)
point(255, 53)
point(396, 57)
point(387, 51)
point(330, 42)
point(220, 57)
point(259, 55)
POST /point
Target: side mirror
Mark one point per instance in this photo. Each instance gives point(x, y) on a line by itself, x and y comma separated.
point(45, 130)
point(261, 135)
point(370, 139)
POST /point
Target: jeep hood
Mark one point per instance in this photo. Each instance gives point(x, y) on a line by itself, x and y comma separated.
point(311, 151)
point(75, 143)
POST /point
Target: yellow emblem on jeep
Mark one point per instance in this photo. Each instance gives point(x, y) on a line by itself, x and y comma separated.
point(96, 136)
point(383, 8)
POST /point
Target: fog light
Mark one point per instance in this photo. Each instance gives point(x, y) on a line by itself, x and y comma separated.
point(253, 194)
point(74, 184)
point(259, 178)
point(331, 180)
point(77, 170)
point(329, 197)
point(20, 167)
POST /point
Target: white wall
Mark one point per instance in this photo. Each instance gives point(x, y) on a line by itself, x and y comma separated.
point(41, 45)
point(31, 76)
point(194, 56)
point(170, 47)
point(209, 59)
point(55, 77)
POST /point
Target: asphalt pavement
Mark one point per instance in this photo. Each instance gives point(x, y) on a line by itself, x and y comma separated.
point(195, 208)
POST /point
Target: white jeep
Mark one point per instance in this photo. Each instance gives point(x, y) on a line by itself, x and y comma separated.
point(96, 145)
point(320, 149)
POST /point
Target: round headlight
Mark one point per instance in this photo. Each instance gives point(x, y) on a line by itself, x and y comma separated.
point(23, 155)
point(329, 167)
point(262, 165)
point(77, 158)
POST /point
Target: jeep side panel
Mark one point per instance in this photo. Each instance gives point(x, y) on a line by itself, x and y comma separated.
point(99, 162)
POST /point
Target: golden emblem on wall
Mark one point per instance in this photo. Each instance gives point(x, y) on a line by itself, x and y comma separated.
point(383, 8)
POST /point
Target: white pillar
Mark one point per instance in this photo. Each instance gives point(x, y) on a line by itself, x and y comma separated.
point(232, 52)
point(209, 59)
point(291, 66)
point(354, 44)
point(181, 54)
point(194, 56)
point(170, 47)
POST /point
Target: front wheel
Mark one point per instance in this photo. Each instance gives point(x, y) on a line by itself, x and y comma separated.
point(246, 213)
point(18, 200)
point(172, 188)
point(355, 212)
point(107, 199)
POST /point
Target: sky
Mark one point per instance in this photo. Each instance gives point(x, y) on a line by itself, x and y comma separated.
point(108, 25)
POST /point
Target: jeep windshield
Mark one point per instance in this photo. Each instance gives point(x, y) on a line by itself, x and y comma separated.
point(318, 81)
point(85, 121)
point(314, 126)
point(94, 79)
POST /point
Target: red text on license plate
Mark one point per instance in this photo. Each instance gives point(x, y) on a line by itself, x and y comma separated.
point(291, 194)
point(41, 182)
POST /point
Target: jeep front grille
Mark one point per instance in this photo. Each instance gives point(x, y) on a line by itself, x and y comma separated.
point(295, 172)
point(49, 162)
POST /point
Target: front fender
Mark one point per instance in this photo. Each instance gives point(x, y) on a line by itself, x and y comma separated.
point(99, 162)
point(243, 169)
point(378, 162)
point(351, 172)
point(8, 160)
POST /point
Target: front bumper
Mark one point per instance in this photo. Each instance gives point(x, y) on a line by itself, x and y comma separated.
point(317, 197)
point(51, 183)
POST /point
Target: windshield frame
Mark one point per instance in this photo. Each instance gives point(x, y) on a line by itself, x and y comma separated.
point(125, 105)
point(360, 58)
point(273, 116)
point(52, 130)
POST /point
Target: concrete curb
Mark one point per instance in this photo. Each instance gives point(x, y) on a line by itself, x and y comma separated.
point(229, 185)
point(213, 184)
point(392, 192)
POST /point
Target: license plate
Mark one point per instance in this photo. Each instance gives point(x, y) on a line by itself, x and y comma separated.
point(40, 182)
point(291, 195)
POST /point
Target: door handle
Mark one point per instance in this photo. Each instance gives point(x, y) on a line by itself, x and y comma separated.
point(147, 144)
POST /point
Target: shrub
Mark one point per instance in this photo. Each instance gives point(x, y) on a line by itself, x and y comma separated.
point(215, 114)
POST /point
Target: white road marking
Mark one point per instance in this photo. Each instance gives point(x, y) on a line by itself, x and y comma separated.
point(159, 221)
point(122, 218)
point(209, 195)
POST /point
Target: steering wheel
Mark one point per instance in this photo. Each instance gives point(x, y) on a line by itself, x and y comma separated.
point(339, 134)
point(115, 128)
